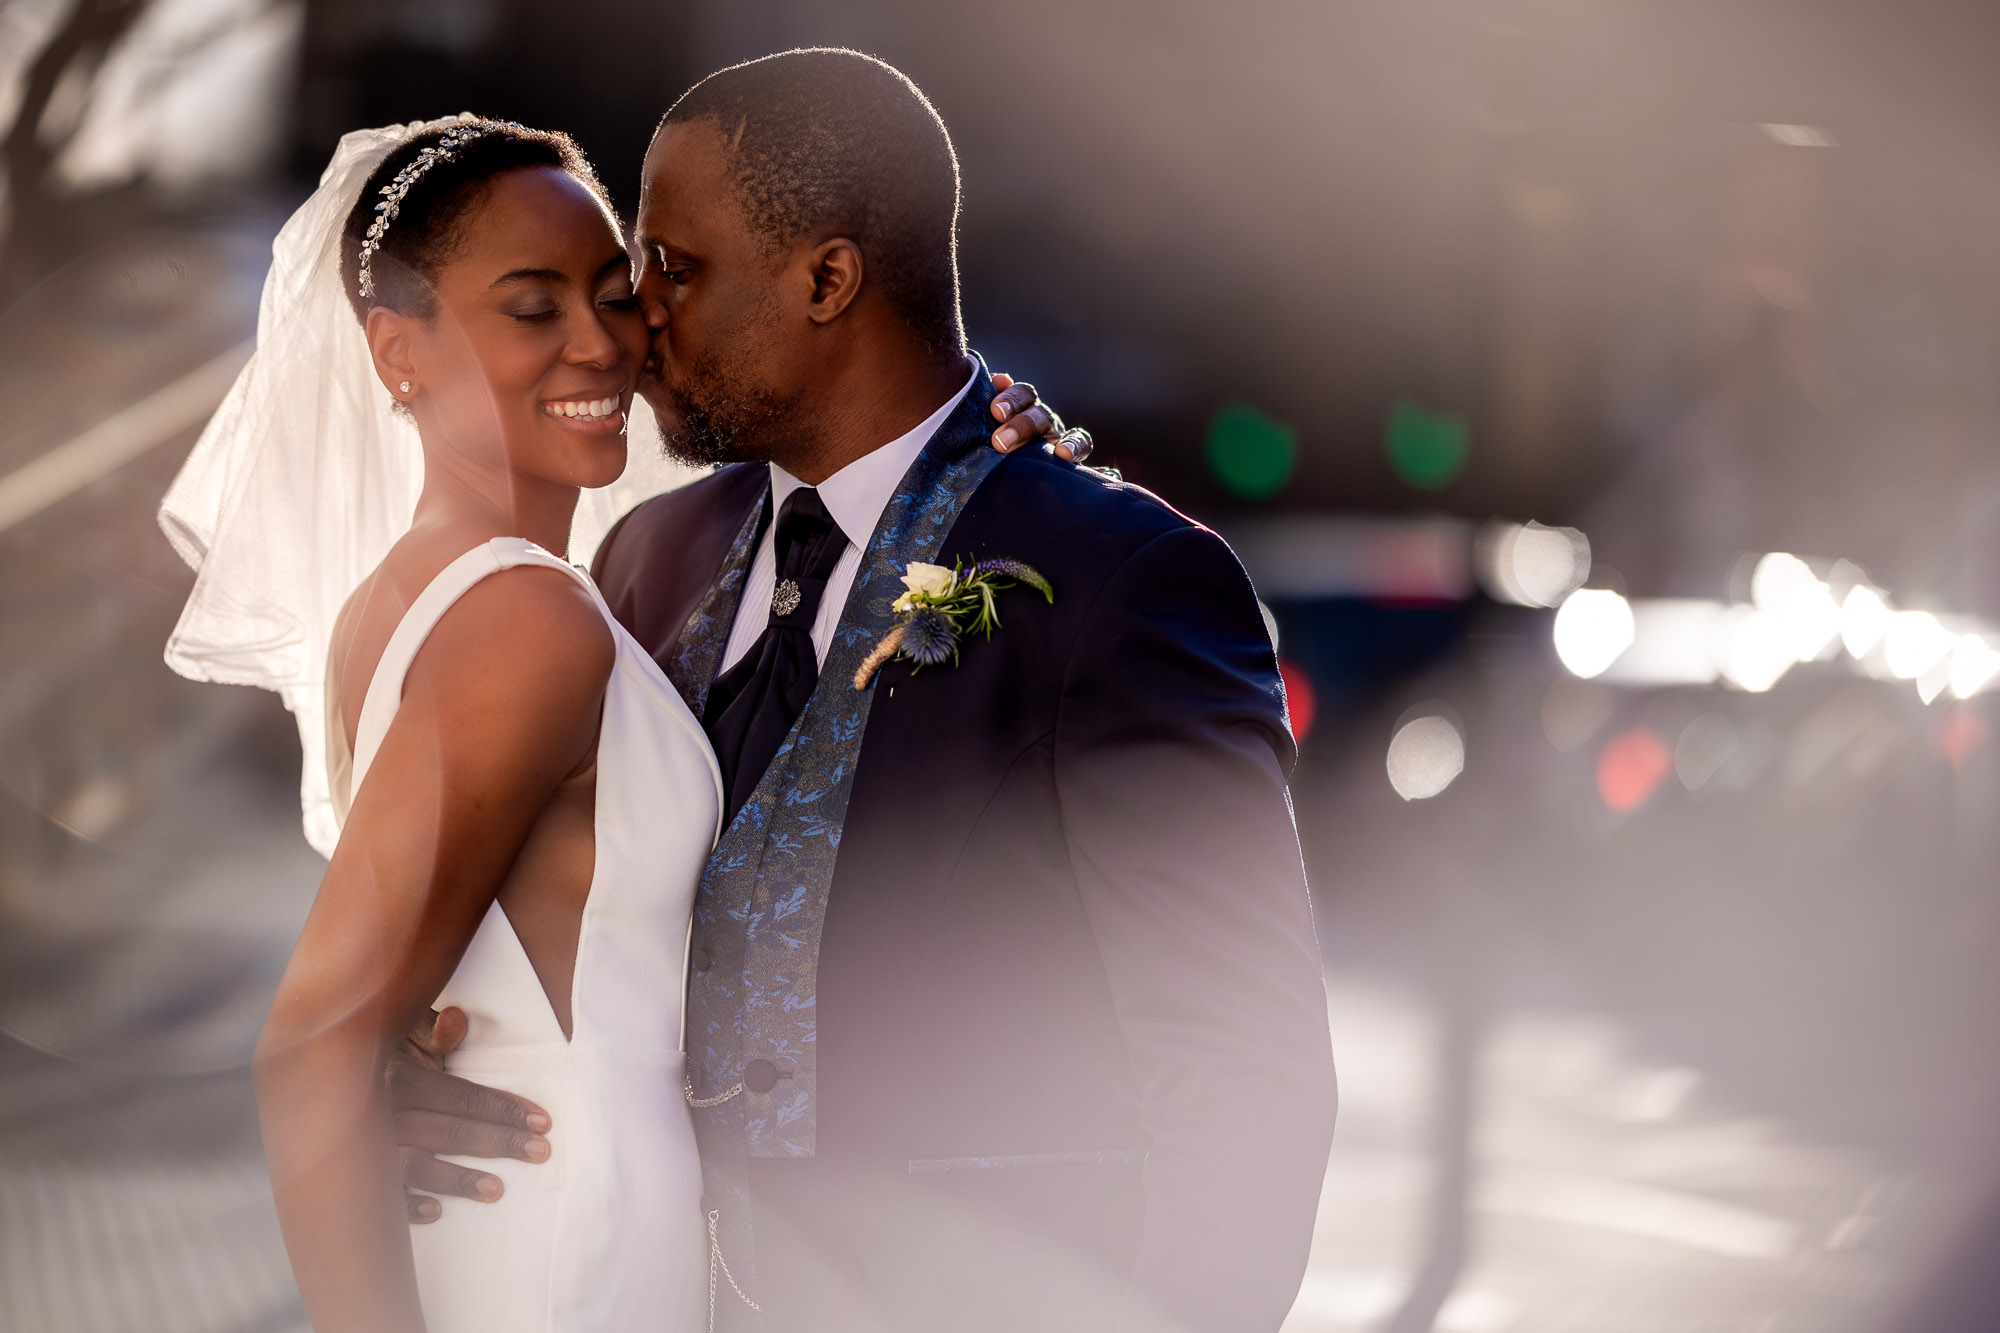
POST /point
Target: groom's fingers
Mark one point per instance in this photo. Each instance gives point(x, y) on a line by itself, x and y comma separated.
point(413, 1087)
point(436, 1132)
point(421, 1171)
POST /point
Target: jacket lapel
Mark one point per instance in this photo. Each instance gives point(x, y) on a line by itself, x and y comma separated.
point(698, 650)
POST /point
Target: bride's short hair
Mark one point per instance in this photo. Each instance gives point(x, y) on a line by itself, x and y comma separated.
point(420, 240)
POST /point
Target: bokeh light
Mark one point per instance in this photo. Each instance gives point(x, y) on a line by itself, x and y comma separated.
point(1958, 734)
point(1974, 662)
point(1756, 652)
point(1301, 704)
point(1631, 768)
point(1527, 564)
point(1916, 641)
point(1427, 449)
point(1807, 617)
point(1573, 710)
point(1426, 755)
point(1864, 618)
point(1593, 628)
point(1251, 453)
point(1704, 747)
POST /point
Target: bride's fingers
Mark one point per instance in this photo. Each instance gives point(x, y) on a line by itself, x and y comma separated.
point(1030, 423)
point(435, 1132)
point(422, 1171)
point(447, 1031)
point(1009, 405)
point(421, 1208)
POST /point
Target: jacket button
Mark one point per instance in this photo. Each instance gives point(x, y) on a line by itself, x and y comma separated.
point(760, 1076)
point(700, 959)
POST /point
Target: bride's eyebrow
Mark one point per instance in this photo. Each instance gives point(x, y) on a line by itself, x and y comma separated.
point(529, 275)
point(618, 260)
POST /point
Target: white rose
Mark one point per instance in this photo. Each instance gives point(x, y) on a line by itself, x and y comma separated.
point(927, 581)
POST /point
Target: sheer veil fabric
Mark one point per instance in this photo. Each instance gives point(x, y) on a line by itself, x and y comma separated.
point(304, 478)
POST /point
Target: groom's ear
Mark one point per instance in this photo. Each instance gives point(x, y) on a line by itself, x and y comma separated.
point(389, 346)
point(836, 278)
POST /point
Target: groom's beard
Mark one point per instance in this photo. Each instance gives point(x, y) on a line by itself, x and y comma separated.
point(715, 418)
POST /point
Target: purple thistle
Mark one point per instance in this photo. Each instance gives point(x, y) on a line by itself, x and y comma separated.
point(929, 637)
point(1014, 569)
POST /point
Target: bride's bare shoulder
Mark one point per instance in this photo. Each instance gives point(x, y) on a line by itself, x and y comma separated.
point(530, 628)
point(529, 634)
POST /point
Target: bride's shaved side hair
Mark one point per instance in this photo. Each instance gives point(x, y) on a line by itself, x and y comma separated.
point(830, 141)
point(425, 234)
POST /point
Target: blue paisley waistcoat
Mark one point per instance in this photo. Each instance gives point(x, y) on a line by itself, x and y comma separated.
point(759, 910)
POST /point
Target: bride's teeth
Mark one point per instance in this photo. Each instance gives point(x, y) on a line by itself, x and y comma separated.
point(596, 409)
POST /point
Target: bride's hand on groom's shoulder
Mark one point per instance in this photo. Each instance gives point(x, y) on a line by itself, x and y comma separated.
point(1025, 417)
point(436, 1112)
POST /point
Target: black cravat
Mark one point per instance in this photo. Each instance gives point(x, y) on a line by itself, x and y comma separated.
point(751, 706)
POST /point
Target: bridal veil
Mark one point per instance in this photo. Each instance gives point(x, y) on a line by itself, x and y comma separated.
point(304, 478)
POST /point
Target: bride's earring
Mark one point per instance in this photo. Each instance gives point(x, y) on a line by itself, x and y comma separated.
point(405, 386)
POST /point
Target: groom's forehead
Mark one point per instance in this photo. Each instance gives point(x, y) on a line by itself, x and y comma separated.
point(687, 163)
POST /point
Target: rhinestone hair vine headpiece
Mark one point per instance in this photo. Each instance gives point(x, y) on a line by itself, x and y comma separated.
point(392, 194)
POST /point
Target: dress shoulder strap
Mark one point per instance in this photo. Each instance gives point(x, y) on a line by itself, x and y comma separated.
point(385, 687)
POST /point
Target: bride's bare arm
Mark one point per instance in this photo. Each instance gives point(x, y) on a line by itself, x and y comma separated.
point(500, 705)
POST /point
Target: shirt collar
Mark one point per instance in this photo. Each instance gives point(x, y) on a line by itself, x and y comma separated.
point(858, 493)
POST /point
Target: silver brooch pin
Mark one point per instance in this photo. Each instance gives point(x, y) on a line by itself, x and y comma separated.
point(785, 598)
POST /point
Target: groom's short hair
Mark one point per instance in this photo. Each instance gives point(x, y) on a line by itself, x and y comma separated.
point(828, 139)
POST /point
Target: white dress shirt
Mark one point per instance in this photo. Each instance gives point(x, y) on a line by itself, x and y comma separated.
point(855, 496)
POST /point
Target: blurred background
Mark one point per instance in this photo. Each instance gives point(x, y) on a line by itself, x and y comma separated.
point(1600, 393)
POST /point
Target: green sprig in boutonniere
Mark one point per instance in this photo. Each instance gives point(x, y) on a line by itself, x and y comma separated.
point(940, 606)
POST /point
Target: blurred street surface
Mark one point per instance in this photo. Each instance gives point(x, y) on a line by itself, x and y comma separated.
point(151, 872)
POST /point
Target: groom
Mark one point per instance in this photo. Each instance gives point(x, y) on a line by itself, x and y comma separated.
point(1004, 1006)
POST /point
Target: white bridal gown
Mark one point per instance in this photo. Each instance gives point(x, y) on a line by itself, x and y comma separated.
point(607, 1235)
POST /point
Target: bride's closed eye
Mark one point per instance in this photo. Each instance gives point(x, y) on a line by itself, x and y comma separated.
point(620, 297)
point(534, 305)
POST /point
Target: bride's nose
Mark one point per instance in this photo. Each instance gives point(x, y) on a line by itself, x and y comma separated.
point(594, 344)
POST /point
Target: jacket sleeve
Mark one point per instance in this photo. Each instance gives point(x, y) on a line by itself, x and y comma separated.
point(1172, 752)
point(601, 563)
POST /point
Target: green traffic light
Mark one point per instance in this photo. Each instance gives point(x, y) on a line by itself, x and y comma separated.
point(1427, 449)
point(1251, 453)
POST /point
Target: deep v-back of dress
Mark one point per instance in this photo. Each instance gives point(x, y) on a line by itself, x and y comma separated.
point(608, 1233)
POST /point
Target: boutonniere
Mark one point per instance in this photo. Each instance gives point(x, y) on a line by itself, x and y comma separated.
point(940, 606)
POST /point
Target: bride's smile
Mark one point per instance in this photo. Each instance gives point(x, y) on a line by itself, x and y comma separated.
point(590, 414)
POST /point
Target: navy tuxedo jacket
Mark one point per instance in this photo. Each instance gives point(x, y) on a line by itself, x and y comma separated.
point(1070, 1010)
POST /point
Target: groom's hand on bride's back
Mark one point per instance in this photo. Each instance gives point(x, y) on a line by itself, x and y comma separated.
point(438, 1112)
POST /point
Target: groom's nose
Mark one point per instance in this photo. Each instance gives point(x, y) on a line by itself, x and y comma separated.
point(652, 299)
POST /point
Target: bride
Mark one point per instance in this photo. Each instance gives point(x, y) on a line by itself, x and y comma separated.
point(517, 803)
